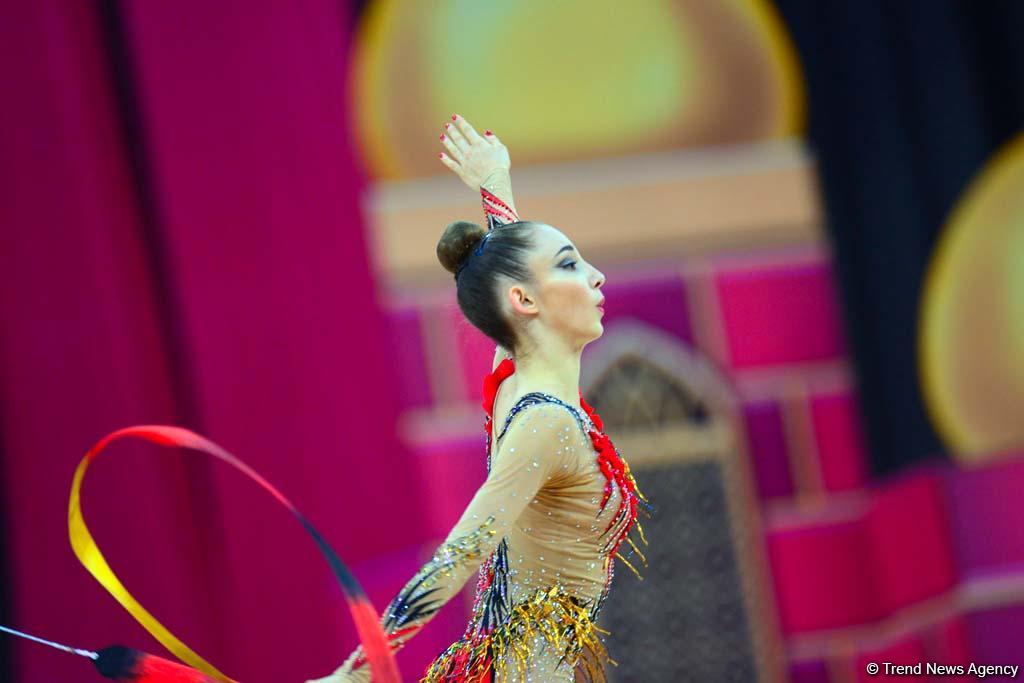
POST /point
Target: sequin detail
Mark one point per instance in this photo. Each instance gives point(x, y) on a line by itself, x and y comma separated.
point(551, 618)
point(547, 566)
point(497, 212)
point(412, 602)
point(489, 643)
point(536, 397)
point(611, 463)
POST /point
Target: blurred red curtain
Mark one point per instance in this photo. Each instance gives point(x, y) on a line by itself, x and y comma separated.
point(182, 243)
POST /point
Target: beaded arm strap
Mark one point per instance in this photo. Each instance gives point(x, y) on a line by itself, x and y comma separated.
point(497, 212)
point(496, 196)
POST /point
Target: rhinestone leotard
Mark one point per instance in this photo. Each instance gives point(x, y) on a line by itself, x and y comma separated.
point(544, 546)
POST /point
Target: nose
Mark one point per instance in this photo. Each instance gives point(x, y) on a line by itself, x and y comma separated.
point(599, 279)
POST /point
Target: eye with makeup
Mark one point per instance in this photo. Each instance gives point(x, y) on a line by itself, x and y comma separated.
point(567, 264)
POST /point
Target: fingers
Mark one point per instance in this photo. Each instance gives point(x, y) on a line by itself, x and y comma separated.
point(469, 153)
point(456, 135)
point(449, 162)
point(467, 130)
point(453, 147)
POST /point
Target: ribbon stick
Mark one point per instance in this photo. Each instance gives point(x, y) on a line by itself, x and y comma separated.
point(125, 664)
point(371, 634)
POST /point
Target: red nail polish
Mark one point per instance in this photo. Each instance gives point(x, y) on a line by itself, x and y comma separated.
point(440, 155)
point(487, 132)
point(454, 117)
point(447, 126)
point(442, 136)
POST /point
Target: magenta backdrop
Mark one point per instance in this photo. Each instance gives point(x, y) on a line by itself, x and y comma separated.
point(221, 284)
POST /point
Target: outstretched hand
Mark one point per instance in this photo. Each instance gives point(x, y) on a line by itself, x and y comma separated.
point(473, 157)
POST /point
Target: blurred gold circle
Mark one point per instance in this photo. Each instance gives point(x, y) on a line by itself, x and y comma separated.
point(570, 80)
point(971, 327)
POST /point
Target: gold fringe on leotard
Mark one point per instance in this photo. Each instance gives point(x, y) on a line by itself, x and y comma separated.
point(562, 620)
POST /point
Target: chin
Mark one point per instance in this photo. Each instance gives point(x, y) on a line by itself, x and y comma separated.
point(587, 336)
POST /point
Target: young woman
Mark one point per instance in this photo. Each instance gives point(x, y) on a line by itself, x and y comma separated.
point(558, 503)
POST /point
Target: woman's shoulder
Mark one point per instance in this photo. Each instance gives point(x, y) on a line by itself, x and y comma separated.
point(546, 433)
point(542, 406)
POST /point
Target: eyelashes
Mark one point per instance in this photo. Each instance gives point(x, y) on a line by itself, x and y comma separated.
point(571, 265)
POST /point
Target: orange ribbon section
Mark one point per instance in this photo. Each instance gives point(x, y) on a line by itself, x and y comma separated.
point(375, 644)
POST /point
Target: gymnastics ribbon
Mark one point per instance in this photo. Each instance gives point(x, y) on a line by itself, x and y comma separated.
point(371, 634)
point(125, 664)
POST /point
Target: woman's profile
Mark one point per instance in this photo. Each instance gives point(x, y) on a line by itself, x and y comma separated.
point(559, 504)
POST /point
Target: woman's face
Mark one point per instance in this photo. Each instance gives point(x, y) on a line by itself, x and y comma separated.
point(565, 293)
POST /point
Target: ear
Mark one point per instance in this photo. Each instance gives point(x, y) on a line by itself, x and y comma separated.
point(521, 301)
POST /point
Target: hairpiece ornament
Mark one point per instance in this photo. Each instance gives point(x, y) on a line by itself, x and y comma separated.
point(476, 252)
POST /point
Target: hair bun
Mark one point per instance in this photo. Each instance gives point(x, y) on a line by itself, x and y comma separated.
point(458, 240)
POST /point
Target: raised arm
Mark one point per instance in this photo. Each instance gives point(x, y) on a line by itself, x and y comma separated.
point(529, 456)
point(483, 163)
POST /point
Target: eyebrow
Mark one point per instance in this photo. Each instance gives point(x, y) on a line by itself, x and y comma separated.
point(567, 247)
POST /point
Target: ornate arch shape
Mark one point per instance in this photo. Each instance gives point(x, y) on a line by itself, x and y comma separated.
point(676, 419)
point(662, 399)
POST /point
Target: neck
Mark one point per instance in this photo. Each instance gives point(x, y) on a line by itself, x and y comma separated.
point(552, 368)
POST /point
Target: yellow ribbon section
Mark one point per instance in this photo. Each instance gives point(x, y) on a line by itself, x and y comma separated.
point(90, 556)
